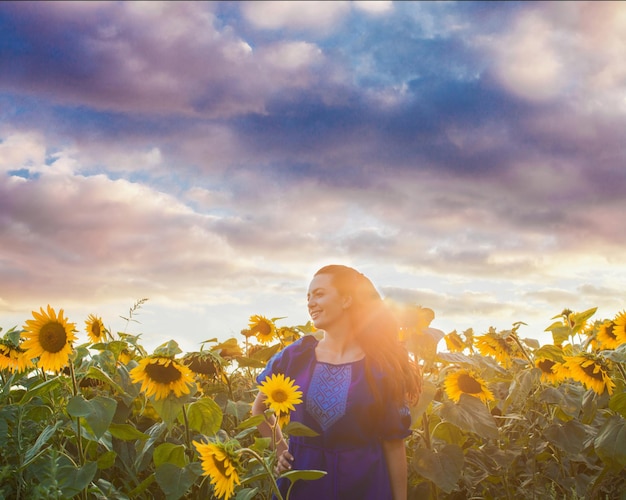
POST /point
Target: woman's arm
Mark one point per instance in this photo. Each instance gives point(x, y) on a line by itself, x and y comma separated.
point(268, 428)
point(395, 455)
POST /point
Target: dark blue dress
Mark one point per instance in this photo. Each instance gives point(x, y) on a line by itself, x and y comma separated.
point(338, 404)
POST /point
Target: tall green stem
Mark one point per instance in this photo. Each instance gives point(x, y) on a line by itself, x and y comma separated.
point(279, 496)
point(187, 433)
point(79, 439)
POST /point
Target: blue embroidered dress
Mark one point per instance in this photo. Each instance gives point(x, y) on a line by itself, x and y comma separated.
point(339, 405)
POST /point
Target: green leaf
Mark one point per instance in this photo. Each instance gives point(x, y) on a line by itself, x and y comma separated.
point(307, 475)
point(580, 319)
point(249, 362)
point(42, 439)
point(126, 432)
point(175, 481)
point(169, 453)
point(426, 397)
point(72, 480)
point(551, 352)
point(253, 421)
point(560, 332)
point(572, 401)
point(442, 468)
point(299, 429)
point(470, 414)
point(247, 494)
point(618, 355)
point(610, 444)
point(617, 403)
point(98, 374)
point(552, 396)
point(168, 349)
point(97, 412)
point(169, 409)
point(205, 416)
point(45, 388)
point(456, 357)
point(107, 460)
point(569, 436)
point(532, 343)
point(265, 353)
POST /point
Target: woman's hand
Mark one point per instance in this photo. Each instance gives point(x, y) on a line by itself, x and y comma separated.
point(283, 463)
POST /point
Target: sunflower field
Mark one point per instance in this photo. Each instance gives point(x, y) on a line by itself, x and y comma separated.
point(500, 416)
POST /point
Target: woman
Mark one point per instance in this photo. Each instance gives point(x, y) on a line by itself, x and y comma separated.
point(355, 382)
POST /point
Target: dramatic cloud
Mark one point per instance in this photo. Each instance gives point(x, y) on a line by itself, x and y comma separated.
point(468, 156)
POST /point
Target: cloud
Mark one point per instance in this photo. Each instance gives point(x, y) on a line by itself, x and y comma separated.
point(311, 16)
point(168, 58)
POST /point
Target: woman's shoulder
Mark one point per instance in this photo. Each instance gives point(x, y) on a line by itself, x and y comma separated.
point(303, 345)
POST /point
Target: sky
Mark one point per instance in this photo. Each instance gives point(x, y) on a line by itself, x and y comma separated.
point(468, 157)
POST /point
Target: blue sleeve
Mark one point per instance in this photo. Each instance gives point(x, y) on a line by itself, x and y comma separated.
point(288, 357)
point(397, 422)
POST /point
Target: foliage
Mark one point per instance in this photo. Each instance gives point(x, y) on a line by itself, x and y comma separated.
point(500, 416)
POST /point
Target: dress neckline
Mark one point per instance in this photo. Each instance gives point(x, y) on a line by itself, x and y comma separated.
point(314, 345)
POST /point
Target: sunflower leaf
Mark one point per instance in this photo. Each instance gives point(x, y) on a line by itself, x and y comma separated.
point(299, 429)
point(610, 443)
point(169, 453)
point(175, 481)
point(470, 414)
point(307, 475)
point(443, 468)
point(205, 416)
point(169, 349)
point(97, 412)
point(617, 403)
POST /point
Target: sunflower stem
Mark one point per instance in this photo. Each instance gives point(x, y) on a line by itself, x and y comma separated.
point(620, 368)
point(279, 496)
point(79, 438)
point(187, 433)
point(524, 351)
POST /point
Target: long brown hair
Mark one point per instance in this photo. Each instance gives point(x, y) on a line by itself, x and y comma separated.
point(377, 333)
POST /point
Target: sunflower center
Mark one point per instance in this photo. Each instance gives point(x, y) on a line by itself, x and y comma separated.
point(469, 385)
point(263, 328)
point(219, 465)
point(163, 374)
point(609, 331)
point(589, 371)
point(280, 396)
point(545, 365)
point(95, 329)
point(52, 337)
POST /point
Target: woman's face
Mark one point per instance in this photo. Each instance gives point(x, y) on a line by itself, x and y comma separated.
point(326, 306)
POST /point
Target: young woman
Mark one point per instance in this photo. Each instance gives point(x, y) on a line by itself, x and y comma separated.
point(355, 382)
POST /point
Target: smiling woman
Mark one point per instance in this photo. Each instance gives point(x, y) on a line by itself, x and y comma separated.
point(355, 384)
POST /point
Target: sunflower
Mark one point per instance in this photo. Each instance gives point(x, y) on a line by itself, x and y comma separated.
point(124, 356)
point(281, 393)
point(204, 363)
point(288, 335)
point(13, 358)
point(466, 382)
point(95, 329)
point(606, 335)
point(590, 371)
point(454, 342)
point(263, 328)
point(161, 375)
point(494, 344)
point(220, 462)
point(619, 327)
point(550, 370)
point(48, 337)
